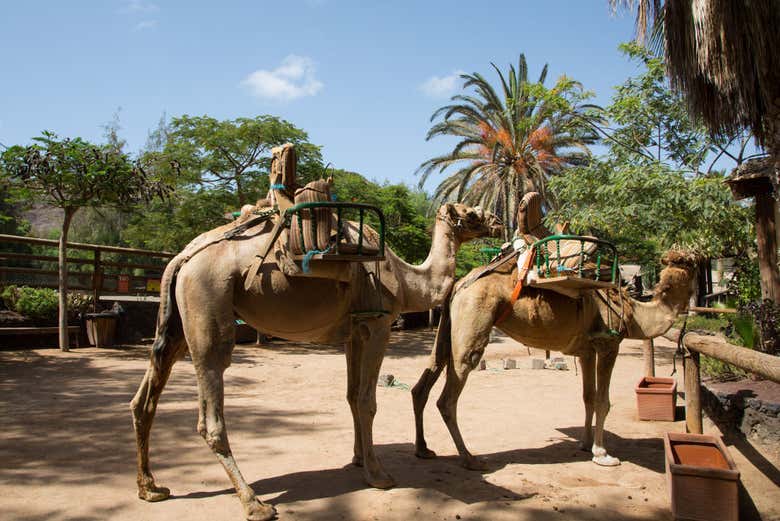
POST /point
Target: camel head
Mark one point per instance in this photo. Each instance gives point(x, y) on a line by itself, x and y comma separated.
point(469, 223)
point(677, 278)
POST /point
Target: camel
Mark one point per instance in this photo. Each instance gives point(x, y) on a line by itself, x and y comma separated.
point(203, 289)
point(545, 319)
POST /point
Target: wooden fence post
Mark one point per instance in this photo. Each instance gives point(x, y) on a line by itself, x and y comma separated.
point(693, 416)
point(648, 353)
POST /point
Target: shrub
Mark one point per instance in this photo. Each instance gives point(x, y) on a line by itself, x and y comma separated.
point(39, 304)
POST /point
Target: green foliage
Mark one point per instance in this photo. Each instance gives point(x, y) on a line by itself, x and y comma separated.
point(648, 194)
point(39, 304)
point(745, 285)
point(73, 173)
point(510, 141)
point(469, 255)
point(233, 155)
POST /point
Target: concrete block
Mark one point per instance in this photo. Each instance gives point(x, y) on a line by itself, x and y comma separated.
point(537, 363)
point(510, 363)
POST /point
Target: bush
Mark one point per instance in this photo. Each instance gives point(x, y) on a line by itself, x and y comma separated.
point(39, 304)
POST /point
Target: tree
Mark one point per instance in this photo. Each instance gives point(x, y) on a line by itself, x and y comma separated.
point(722, 55)
point(234, 155)
point(510, 143)
point(652, 191)
point(73, 174)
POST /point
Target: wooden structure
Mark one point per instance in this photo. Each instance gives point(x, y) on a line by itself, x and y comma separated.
point(762, 364)
point(758, 178)
point(73, 331)
point(38, 267)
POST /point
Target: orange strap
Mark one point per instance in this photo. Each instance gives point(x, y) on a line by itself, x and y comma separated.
point(518, 287)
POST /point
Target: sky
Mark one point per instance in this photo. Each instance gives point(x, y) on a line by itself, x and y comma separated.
point(361, 77)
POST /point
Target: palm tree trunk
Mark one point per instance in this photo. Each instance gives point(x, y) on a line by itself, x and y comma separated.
point(63, 278)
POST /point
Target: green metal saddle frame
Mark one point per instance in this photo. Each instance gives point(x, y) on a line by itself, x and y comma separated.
point(342, 251)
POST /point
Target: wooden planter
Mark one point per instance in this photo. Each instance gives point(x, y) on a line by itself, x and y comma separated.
point(656, 398)
point(702, 478)
point(101, 329)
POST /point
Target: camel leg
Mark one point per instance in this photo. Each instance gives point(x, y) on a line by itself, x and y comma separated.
point(143, 407)
point(354, 352)
point(440, 356)
point(371, 337)
point(210, 332)
point(604, 365)
point(468, 339)
point(588, 365)
point(420, 393)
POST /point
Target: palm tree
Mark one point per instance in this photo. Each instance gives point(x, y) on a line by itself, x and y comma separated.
point(510, 144)
point(723, 56)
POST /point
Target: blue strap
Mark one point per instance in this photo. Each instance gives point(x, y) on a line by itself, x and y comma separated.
point(278, 186)
point(309, 254)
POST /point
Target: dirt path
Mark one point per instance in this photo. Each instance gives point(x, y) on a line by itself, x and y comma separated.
point(67, 449)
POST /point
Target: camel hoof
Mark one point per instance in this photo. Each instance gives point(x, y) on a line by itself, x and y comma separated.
point(606, 461)
point(383, 481)
point(357, 461)
point(473, 463)
point(258, 511)
point(154, 493)
point(424, 453)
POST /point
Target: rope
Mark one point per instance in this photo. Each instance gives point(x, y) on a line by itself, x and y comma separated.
point(680, 351)
point(311, 253)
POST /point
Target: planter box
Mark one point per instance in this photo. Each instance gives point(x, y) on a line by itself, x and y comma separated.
point(702, 478)
point(101, 329)
point(656, 398)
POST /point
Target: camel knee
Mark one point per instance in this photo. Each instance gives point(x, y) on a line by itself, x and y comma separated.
point(445, 408)
point(216, 439)
point(366, 402)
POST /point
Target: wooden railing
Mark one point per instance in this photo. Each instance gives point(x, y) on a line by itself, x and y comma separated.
point(695, 344)
point(110, 269)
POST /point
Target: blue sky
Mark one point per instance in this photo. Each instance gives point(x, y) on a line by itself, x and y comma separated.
point(361, 77)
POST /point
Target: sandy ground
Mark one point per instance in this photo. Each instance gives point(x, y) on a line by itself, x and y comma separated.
point(67, 449)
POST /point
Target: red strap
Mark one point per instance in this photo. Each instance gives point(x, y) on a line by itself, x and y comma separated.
point(518, 287)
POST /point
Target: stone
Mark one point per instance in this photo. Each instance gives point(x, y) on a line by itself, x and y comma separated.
point(482, 365)
point(386, 380)
point(510, 363)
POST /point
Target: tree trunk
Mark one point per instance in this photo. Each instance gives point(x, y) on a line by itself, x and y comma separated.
point(63, 278)
point(767, 247)
point(766, 205)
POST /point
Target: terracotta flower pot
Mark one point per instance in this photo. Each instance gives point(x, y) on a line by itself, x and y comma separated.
point(656, 398)
point(702, 478)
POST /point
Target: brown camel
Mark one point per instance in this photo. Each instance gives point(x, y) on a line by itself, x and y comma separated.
point(203, 290)
point(547, 320)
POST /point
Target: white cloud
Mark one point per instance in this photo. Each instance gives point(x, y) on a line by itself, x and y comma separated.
point(145, 24)
point(441, 86)
point(138, 6)
point(293, 79)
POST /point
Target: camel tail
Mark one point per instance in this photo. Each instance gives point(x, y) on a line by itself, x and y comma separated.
point(169, 327)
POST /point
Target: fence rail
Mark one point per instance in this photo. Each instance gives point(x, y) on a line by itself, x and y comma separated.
point(133, 271)
point(695, 344)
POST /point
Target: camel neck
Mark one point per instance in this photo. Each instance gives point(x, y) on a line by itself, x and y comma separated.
point(426, 285)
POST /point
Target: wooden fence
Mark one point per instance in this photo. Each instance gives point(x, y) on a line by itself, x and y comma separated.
point(105, 270)
point(696, 344)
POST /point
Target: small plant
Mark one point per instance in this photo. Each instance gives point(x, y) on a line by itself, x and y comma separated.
point(39, 304)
